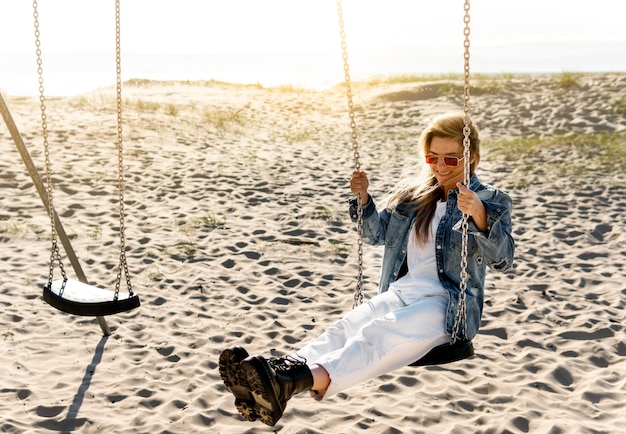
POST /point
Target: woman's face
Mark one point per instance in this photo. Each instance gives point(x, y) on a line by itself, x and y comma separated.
point(447, 175)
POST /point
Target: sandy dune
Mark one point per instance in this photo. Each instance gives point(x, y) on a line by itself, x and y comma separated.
point(238, 234)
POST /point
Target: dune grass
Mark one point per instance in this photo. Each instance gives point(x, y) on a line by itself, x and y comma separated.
point(598, 151)
point(480, 83)
point(619, 105)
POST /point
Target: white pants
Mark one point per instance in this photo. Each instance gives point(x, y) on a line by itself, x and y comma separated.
point(388, 332)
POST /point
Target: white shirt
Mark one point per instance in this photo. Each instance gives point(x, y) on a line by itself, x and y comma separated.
point(422, 278)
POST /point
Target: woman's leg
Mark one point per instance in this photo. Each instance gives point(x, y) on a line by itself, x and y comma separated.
point(273, 382)
point(349, 326)
point(321, 379)
point(386, 343)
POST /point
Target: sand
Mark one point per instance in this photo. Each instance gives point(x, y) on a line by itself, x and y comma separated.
point(238, 233)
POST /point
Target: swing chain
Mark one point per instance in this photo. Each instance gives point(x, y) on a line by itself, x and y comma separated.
point(120, 158)
point(358, 295)
point(460, 326)
point(55, 255)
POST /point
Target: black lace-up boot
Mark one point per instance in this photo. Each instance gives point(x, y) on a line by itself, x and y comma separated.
point(273, 383)
point(235, 379)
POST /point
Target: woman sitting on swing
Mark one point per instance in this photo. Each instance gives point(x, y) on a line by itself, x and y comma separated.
point(419, 289)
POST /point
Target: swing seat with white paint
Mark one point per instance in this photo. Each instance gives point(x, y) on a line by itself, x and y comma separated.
point(73, 296)
point(79, 298)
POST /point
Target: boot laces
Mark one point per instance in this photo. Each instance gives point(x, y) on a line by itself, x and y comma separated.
point(286, 363)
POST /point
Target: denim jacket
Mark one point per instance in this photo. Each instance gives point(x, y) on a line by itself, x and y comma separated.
point(494, 248)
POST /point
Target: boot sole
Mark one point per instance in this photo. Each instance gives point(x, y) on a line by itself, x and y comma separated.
point(236, 380)
point(267, 404)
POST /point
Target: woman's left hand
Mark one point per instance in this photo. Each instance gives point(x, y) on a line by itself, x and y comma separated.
point(469, 203)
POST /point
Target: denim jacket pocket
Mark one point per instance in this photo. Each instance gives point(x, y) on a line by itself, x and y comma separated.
point(456, 241)
point(396, 229)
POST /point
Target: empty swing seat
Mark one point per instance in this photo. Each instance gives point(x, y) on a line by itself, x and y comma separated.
point(79, 298)
point(446, 353)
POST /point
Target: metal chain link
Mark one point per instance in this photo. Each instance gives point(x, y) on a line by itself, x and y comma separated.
point(460, 325)
point(120, 158)
point(55, 255)
point(358, 295)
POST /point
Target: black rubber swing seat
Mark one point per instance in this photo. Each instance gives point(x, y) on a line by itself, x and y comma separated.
point(446, 353)
point(79, 298)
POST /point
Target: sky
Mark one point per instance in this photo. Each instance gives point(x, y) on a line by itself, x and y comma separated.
point(278, 25)
point(506, 36)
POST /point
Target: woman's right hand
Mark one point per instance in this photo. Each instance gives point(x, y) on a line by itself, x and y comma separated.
point(360, 184)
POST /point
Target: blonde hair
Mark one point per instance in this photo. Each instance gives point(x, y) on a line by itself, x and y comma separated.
point(424, 193)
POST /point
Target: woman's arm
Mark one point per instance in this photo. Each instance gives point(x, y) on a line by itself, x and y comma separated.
point(497, 242)
point(374, 224)
point(469, 203)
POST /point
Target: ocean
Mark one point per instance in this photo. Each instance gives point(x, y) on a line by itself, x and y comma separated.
point(78, 72)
